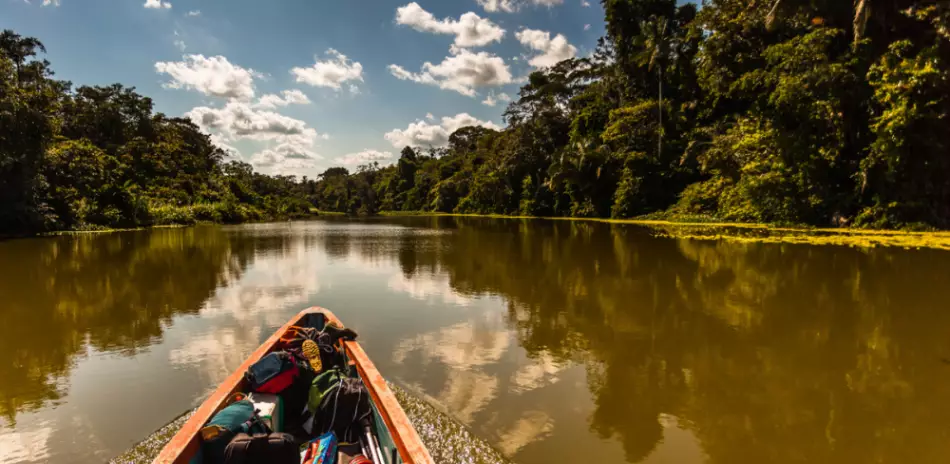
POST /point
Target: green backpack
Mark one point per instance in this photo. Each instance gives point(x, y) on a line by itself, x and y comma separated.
point(324, 384)
point(237, 417)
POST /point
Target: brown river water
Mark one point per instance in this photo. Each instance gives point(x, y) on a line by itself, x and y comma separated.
point(551, 341)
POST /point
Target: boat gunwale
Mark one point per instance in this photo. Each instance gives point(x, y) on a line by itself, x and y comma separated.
point(186, 442)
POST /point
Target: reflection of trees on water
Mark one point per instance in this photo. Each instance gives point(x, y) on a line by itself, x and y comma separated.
point(769, 353)
point(111, 292)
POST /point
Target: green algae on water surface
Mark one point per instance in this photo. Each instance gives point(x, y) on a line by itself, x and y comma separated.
point(840, 237)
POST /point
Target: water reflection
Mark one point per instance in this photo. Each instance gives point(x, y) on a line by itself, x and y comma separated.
point(555, 341)
point(62, 295)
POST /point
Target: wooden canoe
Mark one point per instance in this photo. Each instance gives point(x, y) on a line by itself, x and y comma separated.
point(185, 446)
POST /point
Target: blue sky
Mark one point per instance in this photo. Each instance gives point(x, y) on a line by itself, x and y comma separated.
point(213, 60)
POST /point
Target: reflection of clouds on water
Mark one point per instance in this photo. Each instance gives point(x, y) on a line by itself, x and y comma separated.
point(33, 446)
point(532, 426)
point(538, 373)
point(461, 346)
point(465, 349)
point(274, 282)
point(215, 354)
point(427, 287)
point(467, 392)
point(471, 353)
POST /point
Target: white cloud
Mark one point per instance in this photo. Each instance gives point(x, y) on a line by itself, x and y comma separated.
point(492, 6)
point(511, 6)
point(214, 76)
point(241, 120)
point(50, 2)
point(354, 89)
point(470, 30)
point(492, 99)
point(587, 27)
point(222, 142)
point(291, 153)
point(287, 97)
point(365, 156)
point(430, 117)
point(552, 51)
point(180, 45)
point(421, 133)
point(585, 4)
point(149, 4)
point(194, 13)
point(330, 73)
point(464, 72)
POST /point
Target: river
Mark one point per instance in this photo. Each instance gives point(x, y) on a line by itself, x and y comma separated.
point(555, 341)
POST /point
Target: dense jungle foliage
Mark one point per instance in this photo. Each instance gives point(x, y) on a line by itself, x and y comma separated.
point(95, 157)
point(824, 112)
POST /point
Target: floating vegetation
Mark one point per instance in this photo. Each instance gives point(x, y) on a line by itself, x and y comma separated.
point(756, 233)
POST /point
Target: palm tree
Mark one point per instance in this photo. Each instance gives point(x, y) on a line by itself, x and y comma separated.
point(656, 45)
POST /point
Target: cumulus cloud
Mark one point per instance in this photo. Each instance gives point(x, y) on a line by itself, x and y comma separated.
point(214, 76)
point(287, 97)
point(585, 4)
point(222, 142)
point(493, 6)
point(241, 120)
point(470, 30)
point(430, 117)
point(330, 73)
point(551, 50)
point(422, 133)
point(365, 156)
point(292, 152)
point(194, 13)
point(148, 4)
point(492, 99)
point(464, 72)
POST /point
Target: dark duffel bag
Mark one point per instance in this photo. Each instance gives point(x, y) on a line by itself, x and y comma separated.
point(274, 448)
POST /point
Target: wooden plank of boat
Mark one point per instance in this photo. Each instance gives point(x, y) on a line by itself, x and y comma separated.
point(186, 443)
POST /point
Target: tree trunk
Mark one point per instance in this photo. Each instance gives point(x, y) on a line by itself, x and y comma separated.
point(862, 10)
point(659, 127)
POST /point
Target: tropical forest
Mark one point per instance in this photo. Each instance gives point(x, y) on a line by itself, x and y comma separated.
point(804, 112)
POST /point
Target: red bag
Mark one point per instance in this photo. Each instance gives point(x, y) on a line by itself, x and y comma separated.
point(273, 373)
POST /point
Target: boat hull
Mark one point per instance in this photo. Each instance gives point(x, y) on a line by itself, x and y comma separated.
point(185, 446)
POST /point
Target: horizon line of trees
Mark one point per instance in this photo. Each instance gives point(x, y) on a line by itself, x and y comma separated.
point(814, 112)
point(99, 157)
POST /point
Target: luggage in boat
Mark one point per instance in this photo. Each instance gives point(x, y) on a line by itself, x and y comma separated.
point(323, 384)
point(321, 450)
point(273, 373)
point(270, 409)
point(388, 436)
point(340, 404)
point(237, 417)
point(262, 448)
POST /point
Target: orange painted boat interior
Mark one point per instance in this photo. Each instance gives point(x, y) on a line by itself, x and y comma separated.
point(186, 444)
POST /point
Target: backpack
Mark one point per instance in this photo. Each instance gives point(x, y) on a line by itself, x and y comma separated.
point(237, 417)
point(273, 373)
point(319, 348)
point(340, 404)
point(262, 448)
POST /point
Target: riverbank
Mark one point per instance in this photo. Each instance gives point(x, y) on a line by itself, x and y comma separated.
point(752, 233)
